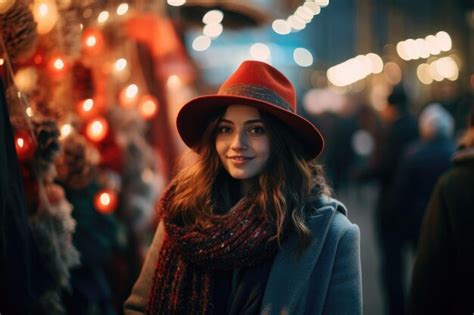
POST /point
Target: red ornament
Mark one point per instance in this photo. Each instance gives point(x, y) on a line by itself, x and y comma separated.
point(92, 41)
point(25, 145)
point(57, 66)
point(105, 201)
point(97, 129)
point(148, 107)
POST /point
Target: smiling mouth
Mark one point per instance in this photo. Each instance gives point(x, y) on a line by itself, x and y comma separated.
point(240, 159)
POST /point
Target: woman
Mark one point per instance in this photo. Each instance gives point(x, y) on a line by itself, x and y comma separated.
point(249, 228)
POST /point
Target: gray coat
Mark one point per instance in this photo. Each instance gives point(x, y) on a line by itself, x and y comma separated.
point(325, 279)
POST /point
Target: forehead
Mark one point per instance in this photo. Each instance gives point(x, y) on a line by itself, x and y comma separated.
point(241, 113)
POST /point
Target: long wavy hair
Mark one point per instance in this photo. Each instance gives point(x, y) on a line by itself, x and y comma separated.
point(283, 190)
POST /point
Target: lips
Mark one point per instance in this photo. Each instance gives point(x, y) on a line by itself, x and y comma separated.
point(239, 159)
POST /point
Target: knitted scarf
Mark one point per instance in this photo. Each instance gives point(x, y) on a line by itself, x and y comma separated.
point(183, 280)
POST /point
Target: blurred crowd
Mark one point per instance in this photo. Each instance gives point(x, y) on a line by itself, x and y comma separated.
point(405, 153)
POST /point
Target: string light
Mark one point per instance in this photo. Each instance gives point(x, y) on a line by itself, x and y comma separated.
point(122, 9)
point(103, 17)
point(57, 66)
point(97, 129)
point(105, 201)
point(148, 107)
point(176, 3)
point(25, 145)
point(65, 130)
point(92, 41)
point(45, 13)
point(413, 49)
point(129, 96)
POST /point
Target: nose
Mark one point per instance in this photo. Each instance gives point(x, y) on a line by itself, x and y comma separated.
point(240, 141)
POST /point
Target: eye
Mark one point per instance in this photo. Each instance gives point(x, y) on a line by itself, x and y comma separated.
point(257, 130)
point(223, 129)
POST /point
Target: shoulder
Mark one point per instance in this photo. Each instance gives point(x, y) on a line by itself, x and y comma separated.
point(338, 225)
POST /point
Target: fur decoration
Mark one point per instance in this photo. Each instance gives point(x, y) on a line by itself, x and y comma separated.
point(77, 165)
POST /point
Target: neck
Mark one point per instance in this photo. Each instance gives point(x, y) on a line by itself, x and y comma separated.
point(245, 186)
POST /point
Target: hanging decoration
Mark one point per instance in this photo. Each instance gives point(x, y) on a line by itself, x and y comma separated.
point(18, 30)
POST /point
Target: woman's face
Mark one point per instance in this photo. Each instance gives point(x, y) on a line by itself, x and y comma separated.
point(242, 142)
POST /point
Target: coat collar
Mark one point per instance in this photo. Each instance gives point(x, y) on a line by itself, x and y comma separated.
point(286, 282)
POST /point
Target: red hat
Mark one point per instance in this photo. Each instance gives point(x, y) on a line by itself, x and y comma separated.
point(255, 84)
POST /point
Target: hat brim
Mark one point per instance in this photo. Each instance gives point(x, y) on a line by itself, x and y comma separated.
point(194, 116)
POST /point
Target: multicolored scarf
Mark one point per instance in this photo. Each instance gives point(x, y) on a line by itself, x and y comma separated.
point(183, 281)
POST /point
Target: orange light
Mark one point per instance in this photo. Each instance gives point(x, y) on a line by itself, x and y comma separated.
point(105, 201)
point(148, 107)
point(92, 41)
point(97, 129)
point(24, 145)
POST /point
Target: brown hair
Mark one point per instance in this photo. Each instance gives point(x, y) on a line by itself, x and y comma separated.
point(283, 190)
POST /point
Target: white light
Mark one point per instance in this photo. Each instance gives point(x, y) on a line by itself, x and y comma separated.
point(444, 41)
point(304, 13)
point(296, 22)
point(1, 61)
point(59, 64)
point(201, 43)
point(29, 111)
point(432, 44)
point(423, 74)
point(176, 3)
point(281, 27)
point(322, 3)
point(66, 130)
point(313, 6)
point(447, 67)
point(213, 17)
point(376, 63)
point(212, 30)
point(422, 48)
point(91, 41)
point(434, 72)
point(303, 57)
point(103, 17)
point(120, 64)
point(122, 9)
point(88, 104)
point(260, 51)
point(411, 50)
point(131, 91)
point(402, 51)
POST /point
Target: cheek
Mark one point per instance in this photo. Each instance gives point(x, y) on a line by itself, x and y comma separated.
point(220, 147)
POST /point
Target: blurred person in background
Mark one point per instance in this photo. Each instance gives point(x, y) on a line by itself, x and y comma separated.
point(400, 131)
point(444, 275)
point(422, 165)
point(249, 228)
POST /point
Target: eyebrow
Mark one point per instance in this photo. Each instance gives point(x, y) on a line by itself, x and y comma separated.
point(248, 122)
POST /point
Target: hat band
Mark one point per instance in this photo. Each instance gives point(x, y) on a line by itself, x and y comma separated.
point(256, 92)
